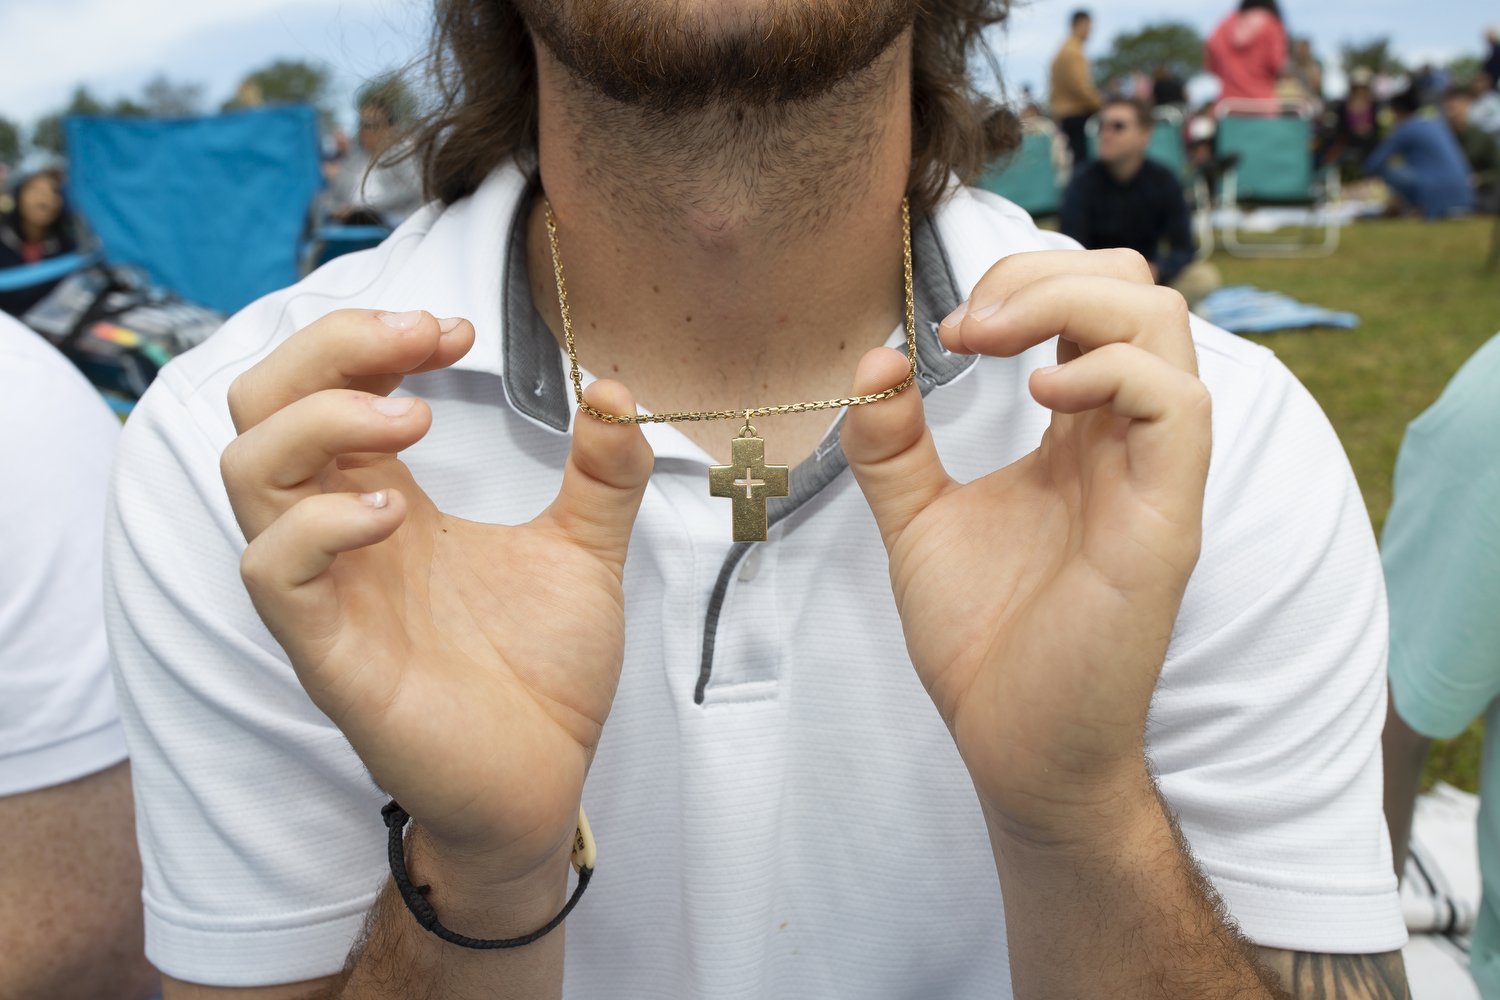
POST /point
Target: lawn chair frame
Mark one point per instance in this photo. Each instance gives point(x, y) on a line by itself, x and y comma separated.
point(1320, 193)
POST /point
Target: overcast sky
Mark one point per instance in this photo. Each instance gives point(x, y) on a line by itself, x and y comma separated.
point(115, 47)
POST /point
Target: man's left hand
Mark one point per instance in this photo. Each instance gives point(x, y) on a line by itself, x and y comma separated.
point(1038, 601)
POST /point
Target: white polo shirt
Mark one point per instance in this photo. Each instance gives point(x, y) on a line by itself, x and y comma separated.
point(780, 810)
point(57, 438)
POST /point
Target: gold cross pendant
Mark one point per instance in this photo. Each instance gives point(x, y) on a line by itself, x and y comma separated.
point(748, 481)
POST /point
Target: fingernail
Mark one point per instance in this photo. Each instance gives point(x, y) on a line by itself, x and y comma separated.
point(402, 321)
point(448, 325)
point(376, 499)
point(984, 312)
point(957, 315)
point(393, 406)
point(1049, 369)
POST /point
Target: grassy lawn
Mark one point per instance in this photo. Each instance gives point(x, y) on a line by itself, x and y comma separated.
point(1426, 304)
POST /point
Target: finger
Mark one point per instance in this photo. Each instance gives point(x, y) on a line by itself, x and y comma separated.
point(1170, 437)
point(889, 447)
point(605, 476)
point(1009, 274)
point(1088, 311)
point(264, 467)
point(285, 568)
point(358, 348)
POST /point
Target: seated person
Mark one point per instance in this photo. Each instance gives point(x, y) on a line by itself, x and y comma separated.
point(1125, 199)
point(1350, 129)
point(1480, 148)
point(37, 227)
point(1485, 112)
point(1441, 552)
point(375, 185)
point(1432, 176)
point(71, 921)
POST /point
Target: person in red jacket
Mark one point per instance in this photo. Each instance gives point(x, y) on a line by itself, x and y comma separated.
point(1247, 51)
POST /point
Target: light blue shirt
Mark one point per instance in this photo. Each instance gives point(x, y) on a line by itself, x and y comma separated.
point(1441, 552)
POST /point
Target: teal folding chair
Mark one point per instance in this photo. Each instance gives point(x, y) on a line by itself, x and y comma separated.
point(1270, 146)
point(1027, 177)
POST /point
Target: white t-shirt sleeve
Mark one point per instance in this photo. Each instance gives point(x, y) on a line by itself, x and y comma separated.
point(260, 831)
point(57, 705)
point(1265, 729)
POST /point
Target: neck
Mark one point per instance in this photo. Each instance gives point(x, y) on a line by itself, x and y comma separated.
point(1124, 171)
point(31, 232)
point(737, 242)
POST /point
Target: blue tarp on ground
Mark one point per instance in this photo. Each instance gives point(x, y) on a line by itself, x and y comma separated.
point(213, 208)
point(1247, 309)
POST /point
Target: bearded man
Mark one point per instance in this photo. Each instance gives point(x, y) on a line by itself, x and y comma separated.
point(878, 725)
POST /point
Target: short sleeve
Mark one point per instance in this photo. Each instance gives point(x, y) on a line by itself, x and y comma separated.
point(1265, 728)
point(1442, 555)
point(259, 829)
point(58, 720)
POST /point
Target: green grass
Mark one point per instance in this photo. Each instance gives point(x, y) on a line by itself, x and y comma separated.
point(1426, 304)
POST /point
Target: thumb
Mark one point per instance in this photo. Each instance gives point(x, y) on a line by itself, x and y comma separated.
point(605, 476)
point(889, 447)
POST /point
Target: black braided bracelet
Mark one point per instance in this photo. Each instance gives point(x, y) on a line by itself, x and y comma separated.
point(415, 896)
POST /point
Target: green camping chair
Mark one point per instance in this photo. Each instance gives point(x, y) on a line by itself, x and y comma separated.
point(1271, 144)
point(1026, 177)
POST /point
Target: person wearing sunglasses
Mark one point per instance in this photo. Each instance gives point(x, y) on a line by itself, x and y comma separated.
point(1125, 199)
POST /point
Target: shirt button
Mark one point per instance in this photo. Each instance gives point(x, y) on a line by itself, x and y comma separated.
point(751, 565)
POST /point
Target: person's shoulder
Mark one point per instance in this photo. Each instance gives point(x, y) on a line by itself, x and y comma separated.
point(1465, 419)
point(978, 227)
point(40, 387)
point(1160, 174)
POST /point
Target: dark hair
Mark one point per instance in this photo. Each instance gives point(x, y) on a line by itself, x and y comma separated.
point(1081, 14)
point(1141, 108)
point(1269, 5)
point(1408, 102)
point(483, 68)
point(1464, 90)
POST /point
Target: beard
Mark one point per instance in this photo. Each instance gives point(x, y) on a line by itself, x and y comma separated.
point(675, 55)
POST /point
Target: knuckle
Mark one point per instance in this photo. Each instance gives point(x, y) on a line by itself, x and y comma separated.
point(238, 398)
point(1132, 262)
point(254, 568)
point(231, 465)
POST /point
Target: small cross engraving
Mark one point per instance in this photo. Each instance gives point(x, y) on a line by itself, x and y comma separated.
point(748, 481)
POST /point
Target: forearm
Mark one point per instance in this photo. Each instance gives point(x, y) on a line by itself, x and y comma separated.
point(71, 919)
point(1117, 907)
point(1405, 754)
point(397, 958)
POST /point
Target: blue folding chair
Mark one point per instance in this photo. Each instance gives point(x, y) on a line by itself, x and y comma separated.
point(213, 208)
point(1269, 144)
point(1027, 177)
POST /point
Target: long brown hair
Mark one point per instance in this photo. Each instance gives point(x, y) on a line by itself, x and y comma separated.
point(483, 69)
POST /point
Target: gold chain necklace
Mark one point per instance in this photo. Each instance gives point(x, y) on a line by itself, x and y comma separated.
point(747, 481)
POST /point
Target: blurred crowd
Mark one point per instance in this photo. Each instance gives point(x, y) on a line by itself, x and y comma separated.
point(1429, 141)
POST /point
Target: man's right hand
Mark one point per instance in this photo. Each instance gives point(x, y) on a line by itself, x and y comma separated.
point(471, 666)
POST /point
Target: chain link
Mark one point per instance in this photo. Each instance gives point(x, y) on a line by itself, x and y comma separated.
point(745, 412)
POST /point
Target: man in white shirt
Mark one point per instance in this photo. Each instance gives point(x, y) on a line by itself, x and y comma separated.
point(70, 918)
point(782, 809)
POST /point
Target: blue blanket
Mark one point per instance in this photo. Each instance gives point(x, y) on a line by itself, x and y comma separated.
point(1247, 309)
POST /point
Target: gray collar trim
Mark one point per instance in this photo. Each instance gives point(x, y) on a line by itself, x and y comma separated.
point(536, 382)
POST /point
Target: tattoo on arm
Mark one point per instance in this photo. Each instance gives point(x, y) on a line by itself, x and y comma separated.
point(1308, 976)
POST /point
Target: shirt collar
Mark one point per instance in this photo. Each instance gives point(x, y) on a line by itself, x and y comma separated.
point(531, 365)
